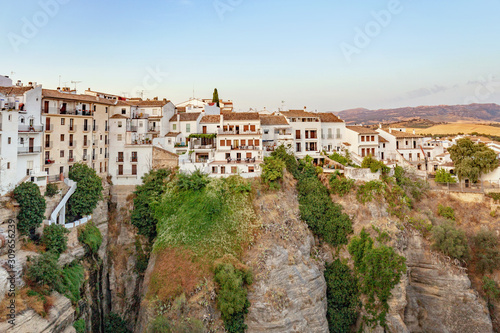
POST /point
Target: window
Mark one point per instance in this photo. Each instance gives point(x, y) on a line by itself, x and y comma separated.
point(373, 138)
point(120, 156)
point(120, 169)
point(134, 169)
point(362, 138)
point(62, 137)
point(188, 128)
point(9, 140)
point(22, 120)
point(61, 153)
point(124, 111)
point(8, 165)
point(10, 117)
point(61, 169)
point(106, 109)
point(134, 156)
point(174, 127)
point(119, 137)
point(120, 124)
point(94, 108)
point(214, 169)
point(266, 131)
point(249, 155)
point(222, 169)
point(234, 169)
point(297, 134)
point(62, 121)
point(222, 143)
point(21, 141)
point(256, 142)
point(252, 128)
point(70, 154)
point(251, 169)
point(243, 142)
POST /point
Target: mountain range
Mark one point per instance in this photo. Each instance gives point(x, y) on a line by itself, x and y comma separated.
point(438, 113)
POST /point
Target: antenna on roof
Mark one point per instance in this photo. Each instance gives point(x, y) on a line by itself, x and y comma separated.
point(59, 81)
point(141, 92)
point(75, 82)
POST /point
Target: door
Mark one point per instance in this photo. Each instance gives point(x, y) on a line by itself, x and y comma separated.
point(46, 107)
point(47, 124)
point(204, 129)
point(120, 169)
point(32, 145)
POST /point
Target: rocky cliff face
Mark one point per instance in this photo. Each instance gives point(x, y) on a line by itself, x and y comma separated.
point(289, 289)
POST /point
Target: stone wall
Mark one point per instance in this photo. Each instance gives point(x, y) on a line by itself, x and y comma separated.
point(163, 159)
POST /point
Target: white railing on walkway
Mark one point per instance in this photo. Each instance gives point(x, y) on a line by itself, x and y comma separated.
point(58, 216)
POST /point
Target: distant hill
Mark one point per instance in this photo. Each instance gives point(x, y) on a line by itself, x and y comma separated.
point(437, 114)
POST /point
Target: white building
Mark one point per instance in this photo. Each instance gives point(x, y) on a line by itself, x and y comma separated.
point(276, 131)
point(306, 129)
point(332, 132)
point(361, 141)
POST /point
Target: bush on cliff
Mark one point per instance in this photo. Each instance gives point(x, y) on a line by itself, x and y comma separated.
point(32, 208)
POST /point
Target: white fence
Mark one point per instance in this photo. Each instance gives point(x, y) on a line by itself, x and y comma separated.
point(361, 174)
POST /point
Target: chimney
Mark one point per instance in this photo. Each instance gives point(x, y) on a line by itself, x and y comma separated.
point(413, 131)
point(305, 107)
point(165, 100)
point(380, 125)
point(155, 99)
point(390, 130)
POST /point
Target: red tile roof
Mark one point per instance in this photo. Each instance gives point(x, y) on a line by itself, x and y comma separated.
point(188, 116)
point(241, 116)
point(14, 90)
point(211, 119)
point(273, 120)
point(48, 93)
point(299, 114)
point(362, 129)
point(329, 117)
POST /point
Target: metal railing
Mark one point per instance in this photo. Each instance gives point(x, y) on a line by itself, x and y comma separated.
point(119, 159)
point(95, 128)
point(49, 128)
point(29, 150)
point(30, 128)
point(72, 143)
point(72, 128)
point(48, 144)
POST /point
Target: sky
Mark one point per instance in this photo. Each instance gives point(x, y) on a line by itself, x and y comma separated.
point(327, 55)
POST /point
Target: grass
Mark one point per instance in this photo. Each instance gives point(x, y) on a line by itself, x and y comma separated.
point(72, 280)
point(453, 128)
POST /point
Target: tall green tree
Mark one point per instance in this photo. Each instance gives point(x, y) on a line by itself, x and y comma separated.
point(88, 190)
point(151, 190)
point(32, 205)
point(472, 159)
point(215, 99)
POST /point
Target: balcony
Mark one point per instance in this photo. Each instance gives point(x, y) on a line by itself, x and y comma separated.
point(95, 128)
point(132, 129)
point(48, 145)
point(72, 143)
point(245, 147)
point(75, 112)
point(86, 143)
point(86, 128)
point(49, 128)
point(153, 130)
point(133, 159)
point(85, 157)
point(146, 141)
point(72, 128)
point(30, 128)
point(29, 150)
point(71, 159)
point(49, 161)
point(119, 159)
point(238, 132)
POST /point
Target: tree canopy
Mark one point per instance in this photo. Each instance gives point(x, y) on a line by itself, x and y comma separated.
point(215, 99)
point(88, 190)
point(472, 159)
point(32, 210)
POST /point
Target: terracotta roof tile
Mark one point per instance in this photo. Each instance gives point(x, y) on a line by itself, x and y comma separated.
point(328, 117)
point(14, 90)
point(172, 134)
point(48, 93)
point(362, 129)
point(188, 116)
point(118, 116)
point(299, 114)
point(241, 116)
point(273, 120)
point(211, 119)
point(400, 134)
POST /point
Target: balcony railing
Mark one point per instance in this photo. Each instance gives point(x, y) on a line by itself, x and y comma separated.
point(119, 159)
point(29, 150)
point(71, 159)
point(85, 157)
point(30, 128)
point(133, 159)
point(72, 128)
point(132, 129)
point(48, 144)
point(238, 132)
point(245, 148)
point(95, 128)
point(86, 143)
point(49, 128)
point(86, 128)
point(75, 112)
point(154, 129)
point(49, 161)
point(72, 143)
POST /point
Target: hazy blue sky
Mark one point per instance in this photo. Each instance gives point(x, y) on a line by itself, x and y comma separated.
point(326, 55)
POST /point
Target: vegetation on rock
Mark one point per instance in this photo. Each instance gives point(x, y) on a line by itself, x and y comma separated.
point(450, 240)
point(272, 171)
point(90, 237)
point(486, 251)
point(374, 165)
point(51, 190)
point(115, 324)
point(443, 176)
point(341, 186)
point(55, 238)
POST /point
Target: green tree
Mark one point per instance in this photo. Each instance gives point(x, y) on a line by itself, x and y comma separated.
point(371, 163)
point(486, 251)
point(32, 208)
point(215, 98)
point(342, 297)
point(232, 295)
point(115, 324)
point(379, 269)
point(55, 238)
point(472, 159)
point(443, 176)
point(88, 190)
point(152, 188)
point(44, 270)
point(450, 240)
point(272, 170)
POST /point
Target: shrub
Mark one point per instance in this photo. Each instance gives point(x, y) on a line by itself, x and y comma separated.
point(490, 288)
point(450, 241)
point(44, 270)
point(443, 176)
point(51, 190)
point(153, 187)
point(446, 212)
point(369, 190)
point(162, 325)
point(342, 297)
point(374, 165)
point(341, 186)
point(195, 181)
point(88, 190)
point(494, 195)
point(115, 324)
point(486, 251)
point(72, 278)
point(55, 238)
point(289, 159)
point(272, 170)
point(344, 160)
point(32, 208)
point(379, 269)
point(142, 257)
point(232, 295)
point(90, 236)
point(324, 217)
point(79, 326)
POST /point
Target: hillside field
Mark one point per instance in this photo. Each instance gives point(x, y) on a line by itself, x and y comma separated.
point(453, 128)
